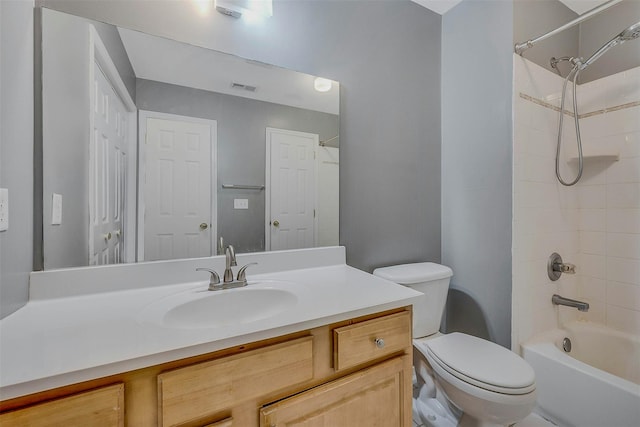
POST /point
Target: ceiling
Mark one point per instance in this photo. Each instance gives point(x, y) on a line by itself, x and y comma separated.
point(443, 6)
point(582, 6)
point(168, 61)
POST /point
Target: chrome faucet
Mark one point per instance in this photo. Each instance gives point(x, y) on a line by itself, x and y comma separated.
point(230, 256)
point(228, 281)
point(580, 305)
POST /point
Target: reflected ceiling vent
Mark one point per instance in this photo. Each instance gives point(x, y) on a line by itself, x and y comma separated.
point(241, 86)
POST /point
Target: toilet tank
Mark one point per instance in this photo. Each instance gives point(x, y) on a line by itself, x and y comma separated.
point(432, 280)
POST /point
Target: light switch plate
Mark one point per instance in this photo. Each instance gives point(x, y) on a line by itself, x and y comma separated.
point(4, 209)
point(56, 209)
point(240, 203)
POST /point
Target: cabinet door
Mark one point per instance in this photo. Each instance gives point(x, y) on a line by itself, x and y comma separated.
point(373, 397)
point(101, 407)
point(227, 422)
point(192, 393)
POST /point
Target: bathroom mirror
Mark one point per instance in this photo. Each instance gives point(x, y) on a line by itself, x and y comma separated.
point(154, 149)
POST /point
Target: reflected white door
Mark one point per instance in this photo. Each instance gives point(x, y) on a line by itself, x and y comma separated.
point(178, 187)
point(290, 189)
point(108, 174)
point(328, 212)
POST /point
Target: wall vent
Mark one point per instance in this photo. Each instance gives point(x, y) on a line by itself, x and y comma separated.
point(241, 86)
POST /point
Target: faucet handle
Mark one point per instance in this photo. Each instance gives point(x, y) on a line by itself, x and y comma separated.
point(565, 268)
point(241, 273)
point(213, 280)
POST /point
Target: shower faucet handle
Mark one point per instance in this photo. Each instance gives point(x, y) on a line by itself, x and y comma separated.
point(565, 268)
point(555, 267)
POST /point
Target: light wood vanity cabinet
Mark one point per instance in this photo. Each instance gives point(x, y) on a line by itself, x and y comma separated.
point(99, 407)
point(197, 391)
point(369, 397)
point(354, 373)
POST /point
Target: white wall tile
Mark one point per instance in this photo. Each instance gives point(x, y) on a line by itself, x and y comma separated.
point(593, 288)
point(623, 195)
point(623, 295)
point(592, 196)
point(593, 242)
point(623, 245)
point(623, 121)
point(623, 270)
point(595, 224)
point(538, 168)
point(627, 169)
point(623, 221)
point(597, 312)
point(629, 144)
point(593, 266)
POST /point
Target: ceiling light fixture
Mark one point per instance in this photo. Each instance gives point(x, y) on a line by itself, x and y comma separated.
point(322, 85)
point(238, 8)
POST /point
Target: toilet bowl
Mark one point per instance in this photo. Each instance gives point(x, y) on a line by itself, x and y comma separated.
point(477, 382)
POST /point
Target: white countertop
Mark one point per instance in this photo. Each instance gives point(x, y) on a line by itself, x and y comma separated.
point(60, 341)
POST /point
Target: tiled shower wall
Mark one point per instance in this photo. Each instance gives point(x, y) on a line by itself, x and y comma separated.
point(594, 224)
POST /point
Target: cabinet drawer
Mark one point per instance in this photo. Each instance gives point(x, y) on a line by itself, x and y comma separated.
point(100, 407)
point(371, 339)
point(201, 390)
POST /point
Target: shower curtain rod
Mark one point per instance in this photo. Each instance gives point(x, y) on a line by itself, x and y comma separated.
point(521, 47)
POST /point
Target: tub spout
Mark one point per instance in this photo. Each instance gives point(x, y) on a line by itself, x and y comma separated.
point(580, 305)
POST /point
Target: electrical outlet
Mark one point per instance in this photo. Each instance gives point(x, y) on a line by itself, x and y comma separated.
point(4, 209)
point(240, 203)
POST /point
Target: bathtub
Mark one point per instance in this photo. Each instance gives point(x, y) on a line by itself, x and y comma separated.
point(596, 384)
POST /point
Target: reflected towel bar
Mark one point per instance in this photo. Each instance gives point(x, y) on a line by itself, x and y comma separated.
point(243, 187)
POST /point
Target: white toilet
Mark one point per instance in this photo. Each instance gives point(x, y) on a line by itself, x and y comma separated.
point(477, 382)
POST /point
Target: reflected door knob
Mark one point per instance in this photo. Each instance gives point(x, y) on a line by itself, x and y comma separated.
point(276, 223)
point(204, 226)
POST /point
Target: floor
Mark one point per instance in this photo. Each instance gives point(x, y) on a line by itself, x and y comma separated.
point(533, 420)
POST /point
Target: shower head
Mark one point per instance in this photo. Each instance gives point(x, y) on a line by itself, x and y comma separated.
point(633, 32)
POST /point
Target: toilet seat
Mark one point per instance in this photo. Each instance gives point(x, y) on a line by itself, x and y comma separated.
point(479, 363)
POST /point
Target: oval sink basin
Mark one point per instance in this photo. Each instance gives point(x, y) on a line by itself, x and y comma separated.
point(214, 309)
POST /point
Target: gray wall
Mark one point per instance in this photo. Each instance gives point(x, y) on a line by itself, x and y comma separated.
point(241, 147)
point(386, 55)
point(477, 159)
point(65, 130)
point(532, 18)
point(599, 30)
point(16, 150)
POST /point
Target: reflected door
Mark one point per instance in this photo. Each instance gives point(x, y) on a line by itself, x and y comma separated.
point(290, 192)
point(108, 174)
point(178, 187)
point(327, 211)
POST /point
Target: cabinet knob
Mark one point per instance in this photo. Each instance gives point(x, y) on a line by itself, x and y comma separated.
point(379, 342)
point(107, 236)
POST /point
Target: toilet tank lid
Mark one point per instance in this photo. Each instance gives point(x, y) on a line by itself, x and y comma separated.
point(408, 274)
